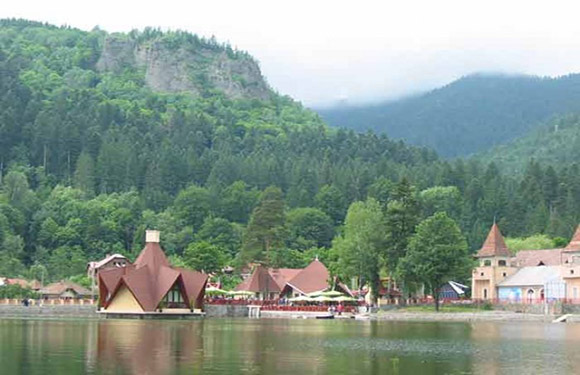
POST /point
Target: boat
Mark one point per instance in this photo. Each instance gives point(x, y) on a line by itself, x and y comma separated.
point(329, 316)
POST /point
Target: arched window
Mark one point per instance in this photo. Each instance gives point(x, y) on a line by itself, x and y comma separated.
point(530, 296)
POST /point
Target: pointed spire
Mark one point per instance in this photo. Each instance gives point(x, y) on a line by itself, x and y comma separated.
point(574, 244)
point(494, 244)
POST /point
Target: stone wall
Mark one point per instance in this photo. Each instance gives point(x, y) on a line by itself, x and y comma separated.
point(226, 311)
point(535, 308)
point(570, 309)
point(49, 311)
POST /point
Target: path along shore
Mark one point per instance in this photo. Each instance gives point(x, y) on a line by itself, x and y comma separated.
point(88, 312)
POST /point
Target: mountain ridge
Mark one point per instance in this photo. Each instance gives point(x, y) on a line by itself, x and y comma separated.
point(469, 115)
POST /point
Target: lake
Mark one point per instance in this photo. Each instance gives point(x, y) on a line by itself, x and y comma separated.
point(277, 346)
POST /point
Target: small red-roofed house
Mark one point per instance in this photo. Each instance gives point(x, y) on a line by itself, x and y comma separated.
point(151, 284)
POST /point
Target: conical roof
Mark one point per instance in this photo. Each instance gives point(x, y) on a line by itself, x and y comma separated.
point(574, 244)
point(259, 281)
point(152, 256)
point(494, 244)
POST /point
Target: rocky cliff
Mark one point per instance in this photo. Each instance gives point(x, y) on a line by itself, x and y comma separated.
point(171, 66)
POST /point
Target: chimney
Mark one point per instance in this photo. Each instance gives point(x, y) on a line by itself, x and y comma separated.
point(152, 236)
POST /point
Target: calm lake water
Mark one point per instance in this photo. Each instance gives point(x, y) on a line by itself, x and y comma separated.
point(276, 346)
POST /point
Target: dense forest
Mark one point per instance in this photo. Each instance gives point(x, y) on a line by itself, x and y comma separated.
point(557, 142)
point(90, 158)
point(469, 115)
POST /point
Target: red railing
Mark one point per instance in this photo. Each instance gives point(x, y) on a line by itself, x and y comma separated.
point(347, 309)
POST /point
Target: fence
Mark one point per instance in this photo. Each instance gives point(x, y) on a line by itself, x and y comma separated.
point(40, 302)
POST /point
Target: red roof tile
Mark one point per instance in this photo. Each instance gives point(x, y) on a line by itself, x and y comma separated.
point(532, 258)
point(494, 244)
point(62, 286)
point(574, 244)
point(311, 279)
point(259, 281)
point(283, 275)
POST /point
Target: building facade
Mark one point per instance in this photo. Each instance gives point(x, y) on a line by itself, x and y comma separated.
point(528, 276)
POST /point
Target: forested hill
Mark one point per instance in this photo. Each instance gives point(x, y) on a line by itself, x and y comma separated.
point(555, 143)
point(93, 151)
point(469, 115)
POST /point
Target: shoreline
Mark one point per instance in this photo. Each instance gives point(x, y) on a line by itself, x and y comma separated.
point(64, 312)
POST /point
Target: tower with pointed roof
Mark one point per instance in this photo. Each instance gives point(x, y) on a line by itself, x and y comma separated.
point(494, 266)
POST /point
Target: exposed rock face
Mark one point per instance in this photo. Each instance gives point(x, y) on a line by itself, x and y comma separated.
point(184, 68)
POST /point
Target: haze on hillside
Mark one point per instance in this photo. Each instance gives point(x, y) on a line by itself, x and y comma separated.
point(329, 52)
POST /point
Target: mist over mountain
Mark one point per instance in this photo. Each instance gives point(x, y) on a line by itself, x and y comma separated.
point(466, 116)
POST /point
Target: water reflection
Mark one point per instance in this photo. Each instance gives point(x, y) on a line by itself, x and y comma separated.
point(215, 346)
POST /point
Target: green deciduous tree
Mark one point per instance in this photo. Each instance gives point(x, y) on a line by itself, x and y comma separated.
point(203, 256)
point(437, 253)
point(358, 249)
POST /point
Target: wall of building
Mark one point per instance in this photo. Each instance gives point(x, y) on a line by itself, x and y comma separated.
point(124, 301)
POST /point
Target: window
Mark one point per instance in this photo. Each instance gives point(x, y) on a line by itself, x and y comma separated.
point(174, 298)
point(487, 262)
point(482, 274)
point(530, 295)
point(501, 263)
point(485, 294)
point(504, 274)
point(571, 272)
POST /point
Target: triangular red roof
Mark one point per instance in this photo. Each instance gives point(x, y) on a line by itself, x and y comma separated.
point(494, 244)
point(574, 244)
point(259, 281)
point(313, 278)
point(152, 256)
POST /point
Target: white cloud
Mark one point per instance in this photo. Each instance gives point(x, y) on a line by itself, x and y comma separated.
point(319, 51)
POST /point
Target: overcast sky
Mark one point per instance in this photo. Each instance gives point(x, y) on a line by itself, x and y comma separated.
point(320, 51)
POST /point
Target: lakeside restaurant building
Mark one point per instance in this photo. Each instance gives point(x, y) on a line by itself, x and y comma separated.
point(529, 276)
point(275, 283)
point(151, 285)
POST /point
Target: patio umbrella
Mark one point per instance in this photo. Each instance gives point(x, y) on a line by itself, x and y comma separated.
point(241, 293)
point(332, 293)
point(322, 299)
point(315, 294)
point(214, 290)
point(300, 299)
point(344, 299)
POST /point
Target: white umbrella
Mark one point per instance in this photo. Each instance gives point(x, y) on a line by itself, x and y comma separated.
point(213, 289)
point(322, 299)
point(241, 293)
point(331, 293)
point(343, 299)
point(300, 299)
